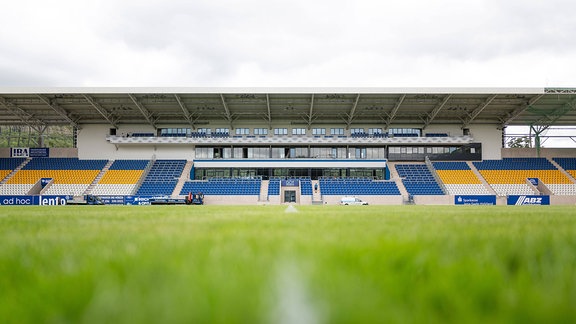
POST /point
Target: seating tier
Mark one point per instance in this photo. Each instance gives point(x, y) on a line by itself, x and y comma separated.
point(223, 187)
point(59, 176)
point(458, 177)
point(10, 164)
point(306, 186)
point(15, 189)
point(520, 176)
point(162, 177)
point(64, 164)
point(121, 177)
point(418, 179)
point(4, 174)
point(274, 187)
point(353, 187)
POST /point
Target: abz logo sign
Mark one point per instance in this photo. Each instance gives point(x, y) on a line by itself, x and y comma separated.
point(528, 200)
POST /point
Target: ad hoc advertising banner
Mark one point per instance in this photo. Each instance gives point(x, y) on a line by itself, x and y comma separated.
point(34, 200)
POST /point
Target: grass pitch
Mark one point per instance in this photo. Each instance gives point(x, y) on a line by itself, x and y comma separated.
point(264, 264)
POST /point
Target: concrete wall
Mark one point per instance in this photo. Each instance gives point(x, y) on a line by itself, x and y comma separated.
point(372, 200)
point(93, 145)
point(544, 152)
point(562, 200)
point(434, 200)
point(491, 138)
point(67, 152)
point(489, 135)
point(231, 200)
point(4, 152)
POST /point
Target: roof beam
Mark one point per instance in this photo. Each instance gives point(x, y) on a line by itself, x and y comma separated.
point(352, 113)
point(227, 115)
point(478, 110)
point(311, 117)
point(436, 110)
point(269, 115)
point(59, 110)
point(394, 111)
point(27, 118)
point(108, 116)
point(187, 115)
point(513, 115)
point(149, 116)
point(549, 119)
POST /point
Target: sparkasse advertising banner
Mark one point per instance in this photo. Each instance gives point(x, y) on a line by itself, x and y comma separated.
point(475, 200)
point(528, 200)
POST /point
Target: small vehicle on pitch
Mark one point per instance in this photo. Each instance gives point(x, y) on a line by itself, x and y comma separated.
point(190, 199)
point(352, 201)
point(195, 199)
point(88, 200)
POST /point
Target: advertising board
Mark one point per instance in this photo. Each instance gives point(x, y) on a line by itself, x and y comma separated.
point(475, 200)
point(528, 200)
point(34, 200)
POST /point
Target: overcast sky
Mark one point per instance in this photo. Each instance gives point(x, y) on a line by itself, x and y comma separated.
point(360, 43)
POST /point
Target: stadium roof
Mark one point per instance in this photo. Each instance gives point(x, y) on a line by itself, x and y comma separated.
point(199, 107)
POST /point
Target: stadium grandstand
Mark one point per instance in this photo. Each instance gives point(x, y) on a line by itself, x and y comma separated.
point(289, 145)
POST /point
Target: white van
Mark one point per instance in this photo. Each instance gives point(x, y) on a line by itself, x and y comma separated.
point(352, 201)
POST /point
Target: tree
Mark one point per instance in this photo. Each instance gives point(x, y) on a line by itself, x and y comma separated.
point(519, 142)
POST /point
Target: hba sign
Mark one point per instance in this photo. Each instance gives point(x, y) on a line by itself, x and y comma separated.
point(20, 152)
point(24, 152)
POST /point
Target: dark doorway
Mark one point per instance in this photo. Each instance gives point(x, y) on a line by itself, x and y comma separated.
point(290, 196)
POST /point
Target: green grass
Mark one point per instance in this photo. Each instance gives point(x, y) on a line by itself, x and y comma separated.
point(260, 264)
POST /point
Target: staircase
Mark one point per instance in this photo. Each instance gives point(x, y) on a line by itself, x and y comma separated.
point(11, 174)
point(98, 177)
point(316, 194)
point(144, 175)
point(264, 191)
point(394, 176)
point(568, 175)
point(436, 176)
point(481, 178)
point(185, 176)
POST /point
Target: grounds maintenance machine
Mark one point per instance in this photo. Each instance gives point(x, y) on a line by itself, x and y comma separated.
point(195, 199)
point(88, 200)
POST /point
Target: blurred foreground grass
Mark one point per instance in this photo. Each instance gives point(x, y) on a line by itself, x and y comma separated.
point(262, 264)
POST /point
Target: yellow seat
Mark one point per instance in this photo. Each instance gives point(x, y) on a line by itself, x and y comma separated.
point(121, 177)
point(458, 177)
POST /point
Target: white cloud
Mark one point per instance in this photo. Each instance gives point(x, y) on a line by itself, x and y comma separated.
point(287, 43)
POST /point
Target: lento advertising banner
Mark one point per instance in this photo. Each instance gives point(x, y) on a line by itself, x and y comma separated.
point(34, 200)
point(528, 200)
point(475, 200)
